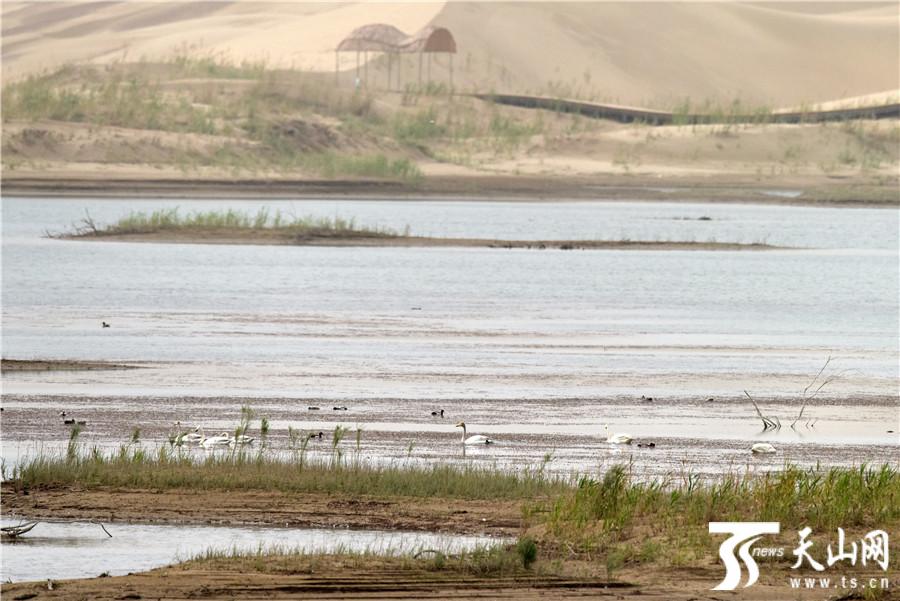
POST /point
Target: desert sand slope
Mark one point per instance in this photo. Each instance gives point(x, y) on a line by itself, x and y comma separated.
point(646, 54)
point(44, 35)
point(653, 54)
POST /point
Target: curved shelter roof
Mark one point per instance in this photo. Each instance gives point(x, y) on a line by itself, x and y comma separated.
point(430, 39)
point(379, 37)
point(376, 37)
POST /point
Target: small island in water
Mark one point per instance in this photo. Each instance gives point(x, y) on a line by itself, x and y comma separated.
point(265, 228)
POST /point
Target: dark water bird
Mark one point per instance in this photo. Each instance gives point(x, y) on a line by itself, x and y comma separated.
point(69, 422)
point(312, 408)
point(649, 399)
point(105, 325)
point(62, 413)
point(339, 408)
point(710, 400)
point(647, 445)
point(314, 435)
point(436, 413)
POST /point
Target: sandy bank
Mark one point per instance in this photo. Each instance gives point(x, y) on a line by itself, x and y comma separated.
point(848, 192)
point(59, 365)
point(271, 237)
point(267, 508)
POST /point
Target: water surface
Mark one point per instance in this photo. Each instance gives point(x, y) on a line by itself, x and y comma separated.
point(83, 550)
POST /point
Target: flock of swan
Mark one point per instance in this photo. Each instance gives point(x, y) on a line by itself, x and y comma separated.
point(617, 438)
point(208, 442)
point(228, 440)
point(196, 436)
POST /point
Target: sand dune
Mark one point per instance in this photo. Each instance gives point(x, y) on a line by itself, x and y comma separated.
point(647, 54)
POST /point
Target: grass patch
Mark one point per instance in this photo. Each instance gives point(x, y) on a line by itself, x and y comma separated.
point(625, 520)
point(122, 100)
point(173, 468)
point(172, 220)
point(480, 561)
point(613, 518)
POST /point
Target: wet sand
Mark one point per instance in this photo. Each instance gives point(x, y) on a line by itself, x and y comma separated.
point(339, 577)
point(266, 508)
point(59, 365)
point(849, 191)
point(272, 237)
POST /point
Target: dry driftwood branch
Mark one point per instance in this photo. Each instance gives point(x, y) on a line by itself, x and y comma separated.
point(20, 529)
point(767, 422)
point(807, 396)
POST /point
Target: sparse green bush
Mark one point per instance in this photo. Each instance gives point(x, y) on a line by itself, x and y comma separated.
point(526, 548)
point(171, 219)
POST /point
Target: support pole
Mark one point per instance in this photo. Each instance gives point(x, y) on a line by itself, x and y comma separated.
point(366, 66)
point(356, 83)
point(389, 57)
point(429, 68)
point(420, 70)
point(451, 72)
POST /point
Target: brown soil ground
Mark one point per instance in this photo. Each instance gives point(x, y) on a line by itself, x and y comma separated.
point(342, 577)
point(330, 580)
point(269, 508)
point(53, 365)
point(282, 237)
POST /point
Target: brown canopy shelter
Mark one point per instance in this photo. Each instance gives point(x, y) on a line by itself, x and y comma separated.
point(387, 39)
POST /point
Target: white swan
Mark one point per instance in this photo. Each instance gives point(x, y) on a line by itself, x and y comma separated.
point(221, 440)
point(762, 448)
point(242, 439)
point(475, 438)
point(192, 437)
point(618, 438)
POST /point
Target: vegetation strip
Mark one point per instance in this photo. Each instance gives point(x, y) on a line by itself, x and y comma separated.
point(229, 227)
point(609, 520)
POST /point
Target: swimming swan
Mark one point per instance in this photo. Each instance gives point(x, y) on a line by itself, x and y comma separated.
point(618, 438)
point(762, 448)
point(192, 437)
point(221, 440)
point(475, 438)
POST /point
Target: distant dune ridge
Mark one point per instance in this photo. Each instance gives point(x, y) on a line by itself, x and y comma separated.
point(636, 53)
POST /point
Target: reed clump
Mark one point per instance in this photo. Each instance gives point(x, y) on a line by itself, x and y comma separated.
point(610, 513)
point(172, 220)
point(176, 468)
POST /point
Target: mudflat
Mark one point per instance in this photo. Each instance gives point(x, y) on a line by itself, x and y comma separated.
point(266, 508)
point(271, 236)
point(59, 365)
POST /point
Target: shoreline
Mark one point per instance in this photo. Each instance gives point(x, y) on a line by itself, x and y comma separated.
point(36, 365)
point(286, 237)
point(847, 193)
point(192, 506)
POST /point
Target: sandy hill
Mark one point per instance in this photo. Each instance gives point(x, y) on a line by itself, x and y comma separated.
point(650, 54)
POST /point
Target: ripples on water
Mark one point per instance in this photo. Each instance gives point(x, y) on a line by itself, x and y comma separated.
point(537, 347)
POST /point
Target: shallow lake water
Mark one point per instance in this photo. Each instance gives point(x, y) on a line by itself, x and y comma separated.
point(83, 550)
point(539, 349)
